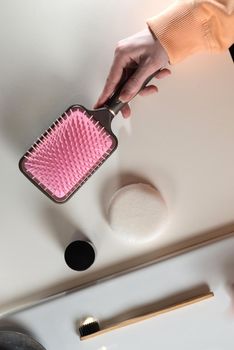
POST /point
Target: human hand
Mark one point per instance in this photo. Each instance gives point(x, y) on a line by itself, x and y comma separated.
point(145, 53)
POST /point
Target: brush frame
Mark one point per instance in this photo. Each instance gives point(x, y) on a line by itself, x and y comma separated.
point(103, 116)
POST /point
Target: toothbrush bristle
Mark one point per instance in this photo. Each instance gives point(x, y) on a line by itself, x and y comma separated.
point(68, 153)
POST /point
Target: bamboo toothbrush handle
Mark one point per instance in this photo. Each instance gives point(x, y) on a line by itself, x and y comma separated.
point(134, 320)
point(164, 310)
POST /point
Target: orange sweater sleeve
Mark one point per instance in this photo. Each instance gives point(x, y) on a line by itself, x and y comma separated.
point(190, 26)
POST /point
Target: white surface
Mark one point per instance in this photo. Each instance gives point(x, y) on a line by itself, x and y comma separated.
point(207, 325)
point(137, 213)
point(55, 53)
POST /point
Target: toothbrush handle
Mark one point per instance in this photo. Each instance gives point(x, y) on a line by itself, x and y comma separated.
point(113, 103)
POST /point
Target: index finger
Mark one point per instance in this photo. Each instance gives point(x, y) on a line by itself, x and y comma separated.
point(112, 80)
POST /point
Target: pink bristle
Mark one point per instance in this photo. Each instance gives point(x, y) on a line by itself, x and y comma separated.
point(68, 153)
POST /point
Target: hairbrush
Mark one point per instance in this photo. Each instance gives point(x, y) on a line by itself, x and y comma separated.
point(73, 147)
point(91, 328)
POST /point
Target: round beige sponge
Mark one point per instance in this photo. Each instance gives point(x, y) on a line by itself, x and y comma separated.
point(137, 212)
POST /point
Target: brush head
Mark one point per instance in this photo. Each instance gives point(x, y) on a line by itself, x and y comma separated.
point(88, 327)
point(68, 153)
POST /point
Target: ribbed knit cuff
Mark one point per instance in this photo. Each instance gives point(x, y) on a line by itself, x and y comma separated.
point(181, 30)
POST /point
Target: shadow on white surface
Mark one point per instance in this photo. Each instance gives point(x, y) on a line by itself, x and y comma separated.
point(60, 226)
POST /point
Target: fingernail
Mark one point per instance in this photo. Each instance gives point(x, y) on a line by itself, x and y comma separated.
point(124, 98)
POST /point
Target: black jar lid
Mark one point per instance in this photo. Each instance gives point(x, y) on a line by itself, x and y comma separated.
point(79, 255)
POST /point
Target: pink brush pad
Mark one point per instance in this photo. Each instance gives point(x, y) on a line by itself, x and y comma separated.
point(68, 153)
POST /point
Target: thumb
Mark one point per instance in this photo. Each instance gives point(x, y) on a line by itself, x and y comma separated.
point(134, 83)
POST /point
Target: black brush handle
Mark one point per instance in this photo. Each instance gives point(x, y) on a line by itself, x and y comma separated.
point(113, 103)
